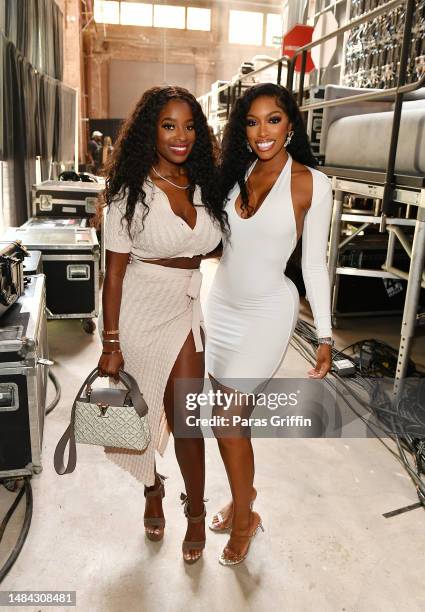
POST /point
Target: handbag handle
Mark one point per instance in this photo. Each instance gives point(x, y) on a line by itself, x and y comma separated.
point(139, 405)
point(129, 382)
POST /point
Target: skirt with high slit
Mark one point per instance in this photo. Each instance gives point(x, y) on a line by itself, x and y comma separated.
point(160, 307)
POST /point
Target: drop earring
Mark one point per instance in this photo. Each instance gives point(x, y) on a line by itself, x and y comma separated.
point(248, 146)
point(288, 138)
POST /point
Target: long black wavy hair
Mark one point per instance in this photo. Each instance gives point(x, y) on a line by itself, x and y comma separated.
point(235, 155)
point(135, 154)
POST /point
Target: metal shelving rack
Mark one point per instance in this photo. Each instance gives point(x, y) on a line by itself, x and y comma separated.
point(340, 9)
point(384, 187)
point(412, 197)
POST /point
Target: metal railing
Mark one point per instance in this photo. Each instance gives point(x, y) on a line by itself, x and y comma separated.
point(398, 91)
point(388, 188)
point(289, 62)
point(234, 88)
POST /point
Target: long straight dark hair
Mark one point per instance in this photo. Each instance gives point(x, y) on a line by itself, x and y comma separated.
point(235, 155)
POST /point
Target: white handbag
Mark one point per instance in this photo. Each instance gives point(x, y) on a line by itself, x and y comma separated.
point(104, 417)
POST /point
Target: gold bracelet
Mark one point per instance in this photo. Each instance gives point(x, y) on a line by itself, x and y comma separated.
point(115, 341)
point(111, 331)
point(110, 352)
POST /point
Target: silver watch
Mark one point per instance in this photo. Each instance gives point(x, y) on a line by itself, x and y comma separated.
point(327, 340)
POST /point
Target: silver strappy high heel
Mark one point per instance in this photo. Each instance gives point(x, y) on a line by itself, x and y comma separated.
point(228, 557)
point(218, 521)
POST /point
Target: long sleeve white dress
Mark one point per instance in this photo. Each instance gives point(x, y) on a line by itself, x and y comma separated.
point(252, 308)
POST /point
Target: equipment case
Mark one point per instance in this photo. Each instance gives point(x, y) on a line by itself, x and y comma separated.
point(33, 263)
point(56, 223)
point(71, 265)
point(65, 198)
point(69, 223)
point(12, 255)
point(23, 380)
point(357, 295)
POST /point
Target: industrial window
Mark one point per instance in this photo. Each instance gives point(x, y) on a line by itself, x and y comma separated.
point(136, 13)
point(169, 16)
point(148, 15)
point(274, 29)
point(106, 11)
point(246, 28)
point(198, 19)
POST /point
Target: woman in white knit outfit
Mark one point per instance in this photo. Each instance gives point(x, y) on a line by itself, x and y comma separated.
point(164, 214)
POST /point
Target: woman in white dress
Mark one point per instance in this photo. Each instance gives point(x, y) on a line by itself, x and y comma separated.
point(274, 194)
point(164, 213)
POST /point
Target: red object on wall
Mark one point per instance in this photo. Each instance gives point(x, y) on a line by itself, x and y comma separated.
point(299, 36)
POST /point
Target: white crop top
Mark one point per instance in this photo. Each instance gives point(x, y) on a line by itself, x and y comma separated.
point(165, 234)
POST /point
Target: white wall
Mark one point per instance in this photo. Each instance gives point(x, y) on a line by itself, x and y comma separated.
point(128, 80)
point(6, 209)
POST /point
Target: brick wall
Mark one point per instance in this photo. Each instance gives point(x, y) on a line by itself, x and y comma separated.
point(72, 45)
point(208, 52)
point(73, 66)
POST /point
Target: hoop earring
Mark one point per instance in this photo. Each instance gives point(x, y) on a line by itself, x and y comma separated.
point(288, 138)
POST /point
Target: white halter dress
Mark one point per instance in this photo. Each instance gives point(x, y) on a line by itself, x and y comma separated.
point(252, 308)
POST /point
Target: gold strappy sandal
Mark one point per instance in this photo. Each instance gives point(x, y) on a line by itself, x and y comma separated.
point(156, 522)
point(186, 545)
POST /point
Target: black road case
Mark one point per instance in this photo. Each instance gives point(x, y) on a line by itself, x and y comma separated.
point(33, 263)
point(56, 223)
point(68, 223)
point(71, 265)
point(65, 198)
point(23, 380)
point(12, 255)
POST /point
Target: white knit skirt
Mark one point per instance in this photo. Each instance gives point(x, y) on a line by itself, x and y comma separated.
point(160, 306)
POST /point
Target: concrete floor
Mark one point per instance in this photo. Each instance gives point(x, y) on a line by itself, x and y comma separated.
point(326, 545)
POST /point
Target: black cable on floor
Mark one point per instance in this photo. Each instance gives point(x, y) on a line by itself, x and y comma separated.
point(27, 489)
point(57, 397)
point(372, 351)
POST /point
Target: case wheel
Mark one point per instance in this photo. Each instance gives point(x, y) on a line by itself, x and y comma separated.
point(335, 322)
point(89, 326)
point(13, 484)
